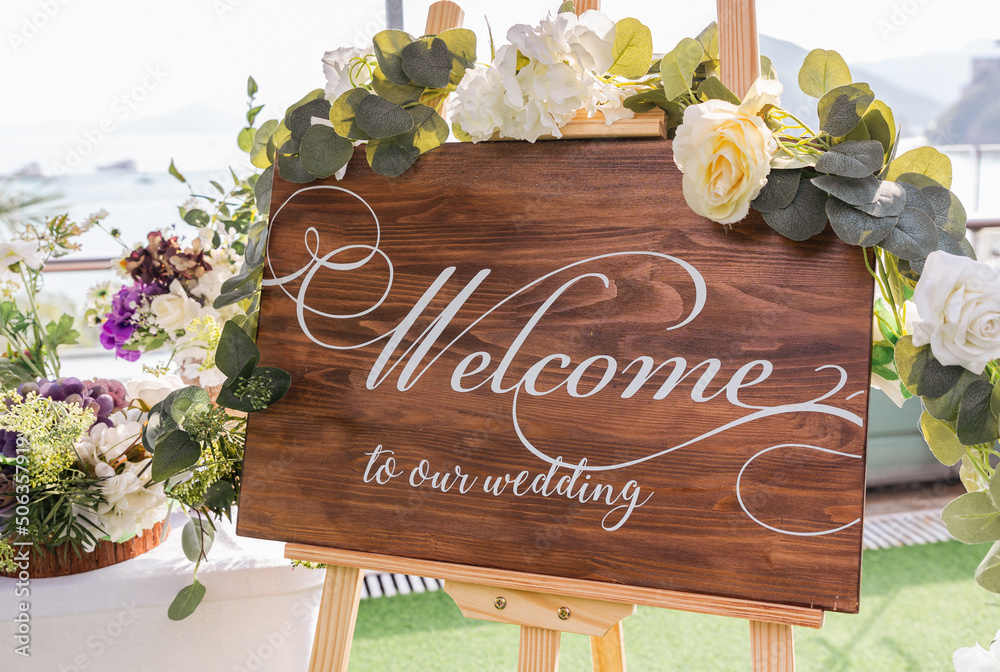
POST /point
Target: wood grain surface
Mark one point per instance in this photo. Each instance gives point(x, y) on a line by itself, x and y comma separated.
point(722, 492)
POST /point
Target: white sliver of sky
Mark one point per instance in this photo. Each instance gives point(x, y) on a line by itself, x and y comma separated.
point(68, 61)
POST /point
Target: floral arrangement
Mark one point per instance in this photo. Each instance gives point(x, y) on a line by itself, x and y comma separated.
point(171, 286)
point(90, 460)
point(936, 321)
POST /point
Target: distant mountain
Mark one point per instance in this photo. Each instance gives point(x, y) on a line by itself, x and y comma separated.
point(190, 119)
point(913, 105)
point(975, 118)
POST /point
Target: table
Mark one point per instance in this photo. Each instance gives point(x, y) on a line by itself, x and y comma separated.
point(258, 615)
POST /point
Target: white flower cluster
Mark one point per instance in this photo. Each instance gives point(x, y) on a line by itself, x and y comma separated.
point(538, 82)
point(131, 504)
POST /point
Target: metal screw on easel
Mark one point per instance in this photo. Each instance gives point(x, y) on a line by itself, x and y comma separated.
point(500, 602)
point(563, 613)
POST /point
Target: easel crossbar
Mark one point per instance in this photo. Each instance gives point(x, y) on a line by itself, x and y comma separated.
point(539, 583)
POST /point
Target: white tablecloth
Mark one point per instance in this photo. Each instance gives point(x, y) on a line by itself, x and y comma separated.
point(258, 615)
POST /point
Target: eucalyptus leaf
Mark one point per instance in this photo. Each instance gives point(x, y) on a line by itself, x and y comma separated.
point(461, 42)
point(323, 152)
point(236, 354)
point(388, 46)
point(197, 538)
point(678, 67)
point(941, 439)
point(400, 94)
point(713, 89)
point(220, 496)
point(300, 120)
point(916, 180)
point(176, 173)
point(427, 62)
point(856, 227)
point(841, 108)
point(258, 152)
point(913, 236)
point(994, 488)
point(186, 601)
point(767, 69)
point(889, 200)
point(290, 169)
point(567, 6)
point(988, 571)
point(708, 38)
point(881, 125)
point(936, 379)
point(185, 403)
point(917, 198)
point(850, 190)
point(176, 451)
point(976, 421)
point(429, 131)
point(343, 114)
point(858, 133)
point(925, 161)
point(276, 380)
point(379, 118)
point(314, 95)
point(779, 191)
point(804, 217)
point(197, 218)
point(646, 100)
point(949, 213)
point(823, 71)
point(852, 159)
point(390, 157)
point(245, 139)
point(632, 49)
point(972, 518)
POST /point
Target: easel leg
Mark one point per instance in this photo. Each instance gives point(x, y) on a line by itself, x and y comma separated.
point(608, 652)
point(772, 647)
point(539, 650)
point(335, 625)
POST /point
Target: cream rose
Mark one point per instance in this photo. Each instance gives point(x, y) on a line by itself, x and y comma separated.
point(150, 389)
point(959, 304)
point(175, 310)
point(725, 154)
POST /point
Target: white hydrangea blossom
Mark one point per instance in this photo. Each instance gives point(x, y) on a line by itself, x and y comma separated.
point(538, 82)
point(131, 503)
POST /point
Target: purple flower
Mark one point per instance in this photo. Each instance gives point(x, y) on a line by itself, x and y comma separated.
point(8, 443)
point(118, 325)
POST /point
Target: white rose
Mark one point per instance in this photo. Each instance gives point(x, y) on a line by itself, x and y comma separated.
point(337, 65)
point(725, 153)
point(959, 304)
point(978, 659)
point(175, 310)
point(150, 389)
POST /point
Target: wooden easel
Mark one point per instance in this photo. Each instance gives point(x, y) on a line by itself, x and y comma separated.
point(544, 606)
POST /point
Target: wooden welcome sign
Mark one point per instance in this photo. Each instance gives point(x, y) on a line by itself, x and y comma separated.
point(536, 358)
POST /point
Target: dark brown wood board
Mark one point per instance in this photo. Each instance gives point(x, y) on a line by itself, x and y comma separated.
point(536, 357)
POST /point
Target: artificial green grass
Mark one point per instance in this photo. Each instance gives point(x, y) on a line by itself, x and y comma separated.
point(918, 604)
